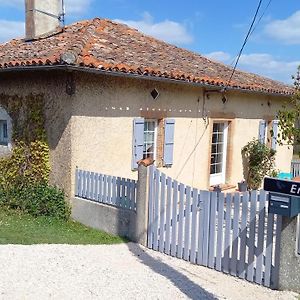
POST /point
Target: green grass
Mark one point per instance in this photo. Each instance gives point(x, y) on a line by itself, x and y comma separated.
point(19, 228)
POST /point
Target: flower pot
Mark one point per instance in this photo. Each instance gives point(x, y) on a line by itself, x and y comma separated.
point(242, 186)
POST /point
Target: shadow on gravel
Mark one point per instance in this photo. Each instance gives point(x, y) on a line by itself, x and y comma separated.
point(182, 282)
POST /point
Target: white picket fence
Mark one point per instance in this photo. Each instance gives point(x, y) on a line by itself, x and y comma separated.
point(106, 189)
point(232, 233)
point(295, 168)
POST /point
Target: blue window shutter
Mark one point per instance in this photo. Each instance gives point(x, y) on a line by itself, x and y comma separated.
point(275, 134)
point(138, 141)
point(262, 131)
point(169, 142)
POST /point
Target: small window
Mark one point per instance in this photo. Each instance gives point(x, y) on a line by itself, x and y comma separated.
point(3, 133)
point(149, 149)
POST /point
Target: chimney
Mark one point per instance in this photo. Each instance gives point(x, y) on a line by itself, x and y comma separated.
point(42, 18)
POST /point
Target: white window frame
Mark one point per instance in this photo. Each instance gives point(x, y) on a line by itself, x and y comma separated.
point(220, 178)
point(155, 136)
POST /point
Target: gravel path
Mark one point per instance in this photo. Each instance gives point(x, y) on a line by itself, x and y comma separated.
point(125, 271)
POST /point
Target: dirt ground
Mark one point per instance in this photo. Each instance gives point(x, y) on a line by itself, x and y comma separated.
point(125, 271)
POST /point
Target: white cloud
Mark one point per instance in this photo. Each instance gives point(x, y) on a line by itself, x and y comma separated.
point(11, 29)
point(77, 6)
point(261, 63)
point(14, 3)
point(219, 56)
point(169, 31)
point(286, 31)
point(73, 7)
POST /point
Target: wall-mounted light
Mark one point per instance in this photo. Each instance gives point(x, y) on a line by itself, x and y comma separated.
point(70, 84)
point(155, 94)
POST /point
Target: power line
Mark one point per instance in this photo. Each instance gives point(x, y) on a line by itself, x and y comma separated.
point(257, 23)
point(245, 41)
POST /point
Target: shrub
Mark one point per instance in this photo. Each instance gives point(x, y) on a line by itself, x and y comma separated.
point(258, 163)
point(37, 200)
point(27, 165)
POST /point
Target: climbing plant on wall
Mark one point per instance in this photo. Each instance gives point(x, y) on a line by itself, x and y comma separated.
point(29, 160)
point(24, 174)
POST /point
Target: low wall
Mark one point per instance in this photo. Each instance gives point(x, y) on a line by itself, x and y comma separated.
point(116, 221)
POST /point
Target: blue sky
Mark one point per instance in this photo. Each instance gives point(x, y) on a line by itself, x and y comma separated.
point(212, 28)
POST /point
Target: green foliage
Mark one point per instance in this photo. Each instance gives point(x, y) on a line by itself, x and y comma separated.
point(28, 164)
point(27, 114)
point(37, 200)
point(289, 115)
point(258, 162)
point(24, 175)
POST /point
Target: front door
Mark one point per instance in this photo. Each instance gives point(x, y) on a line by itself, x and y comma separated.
point(218, 153)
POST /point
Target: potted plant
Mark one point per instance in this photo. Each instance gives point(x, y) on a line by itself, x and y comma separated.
point(242, 186)
point(258, 162)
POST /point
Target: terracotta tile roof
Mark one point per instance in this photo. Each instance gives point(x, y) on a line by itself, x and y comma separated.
point(109, 46)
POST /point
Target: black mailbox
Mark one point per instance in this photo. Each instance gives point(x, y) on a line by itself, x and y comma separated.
point(284, 197)
point(284, 205)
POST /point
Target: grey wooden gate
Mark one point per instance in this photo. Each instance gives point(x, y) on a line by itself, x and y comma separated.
point(232, 233)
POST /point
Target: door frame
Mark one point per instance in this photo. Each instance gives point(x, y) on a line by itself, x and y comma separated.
point(219, 178)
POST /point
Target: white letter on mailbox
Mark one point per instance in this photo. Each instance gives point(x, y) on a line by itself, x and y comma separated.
point(294, 189)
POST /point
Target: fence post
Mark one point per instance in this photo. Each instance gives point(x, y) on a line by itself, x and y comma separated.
point(141, 224)
point(289, 266)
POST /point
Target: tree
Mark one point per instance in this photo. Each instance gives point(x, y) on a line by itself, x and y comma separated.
point(289, 115)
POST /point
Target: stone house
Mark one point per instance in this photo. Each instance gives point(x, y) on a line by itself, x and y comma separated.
point(113, 96)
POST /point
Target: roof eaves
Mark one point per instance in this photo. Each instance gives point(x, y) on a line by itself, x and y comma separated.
point(145, 76)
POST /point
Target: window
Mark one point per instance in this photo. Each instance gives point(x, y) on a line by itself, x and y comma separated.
point(3, 133)
point(149, 149)
point(218, 153)
point(155, 139)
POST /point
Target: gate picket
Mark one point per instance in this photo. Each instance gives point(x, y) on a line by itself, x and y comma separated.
point(180, 223)
point(233, 234)
point(269, 250)
point(201, 229)
point(194, 225)
point(212, 230)
point(162, 213)
point(227, 234)
point(174, 219)
point(251, 239)
point(206, 222)
point(220, 232)
point(168, 216)
point(156, 210)
point(260, 239)
point(187, 224)
point(243, 236)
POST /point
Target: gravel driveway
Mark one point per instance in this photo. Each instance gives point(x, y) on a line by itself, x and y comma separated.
point(125, 271)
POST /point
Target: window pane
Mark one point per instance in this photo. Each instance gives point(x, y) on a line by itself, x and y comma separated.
point(149, 139)
point(151, 126)
point(214, 138)
point(219, 168)
point(5, 130)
